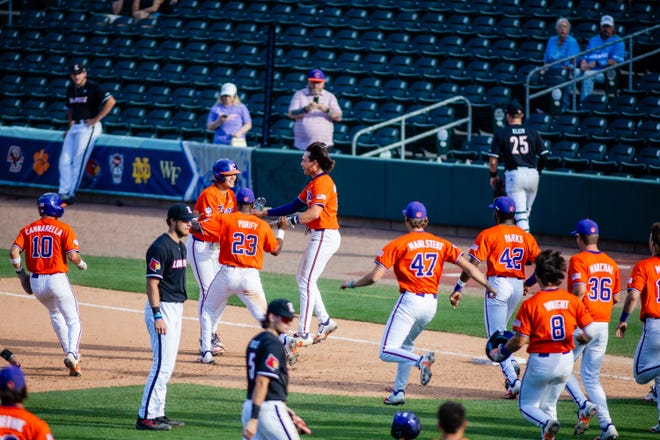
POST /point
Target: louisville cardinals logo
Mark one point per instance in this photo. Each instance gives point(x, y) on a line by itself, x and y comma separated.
point(272, 362)
point(154, 265)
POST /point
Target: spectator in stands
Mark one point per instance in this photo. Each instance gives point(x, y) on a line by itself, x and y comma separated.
point(229, 118)
point(140, 9)
point(562, 45)
point(601, 56)
point(315, 111)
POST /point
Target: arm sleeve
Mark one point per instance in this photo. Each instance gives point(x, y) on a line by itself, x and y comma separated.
point(293, 206)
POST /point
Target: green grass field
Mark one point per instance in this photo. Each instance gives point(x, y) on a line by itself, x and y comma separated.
point(215, 412)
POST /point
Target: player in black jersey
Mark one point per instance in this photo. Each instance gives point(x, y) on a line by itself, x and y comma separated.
point(265, 412)
point(523, 152)
point(163, 314)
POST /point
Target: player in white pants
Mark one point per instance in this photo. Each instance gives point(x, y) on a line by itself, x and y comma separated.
point(87, 103)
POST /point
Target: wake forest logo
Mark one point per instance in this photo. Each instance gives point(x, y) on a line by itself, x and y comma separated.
point(141, 170)
point(116, 162)
point(15, 158)
point(170, 171)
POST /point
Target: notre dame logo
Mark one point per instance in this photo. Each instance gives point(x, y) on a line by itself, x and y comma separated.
point(141, 170)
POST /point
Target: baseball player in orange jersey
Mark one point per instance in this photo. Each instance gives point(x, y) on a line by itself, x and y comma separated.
point(644, 283)
point(48, 243)
point(203, 251)
point(16, 422)
point(506, 249)
point(320, 197)
point(547, 321)
point(417, 258)
point(594, 278)
point(243, 239)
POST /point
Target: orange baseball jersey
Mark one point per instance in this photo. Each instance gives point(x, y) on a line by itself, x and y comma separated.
point(600, 274)
point(211, 201)
point(418, 258)
point(321, 190)
point(507, 248)
point(46, 243)
point(645, 277)
point(549, 319)
point(20, 424)
point(243, 238)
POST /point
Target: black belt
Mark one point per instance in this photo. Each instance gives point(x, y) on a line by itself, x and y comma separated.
point(545, 355)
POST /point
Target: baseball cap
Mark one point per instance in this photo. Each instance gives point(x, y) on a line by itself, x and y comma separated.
point(316, 75)
point(514, 107)
point(415, 210)
point(180, 212)
point(503, 204)
point(12, 379)
point(586, 227)
point(281, 307)
point(607, 20)
point(245, 196)
point(78, 68)
point(228, 89)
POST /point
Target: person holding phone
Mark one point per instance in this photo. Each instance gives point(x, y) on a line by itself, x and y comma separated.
point(315, 111)
point(229, 118)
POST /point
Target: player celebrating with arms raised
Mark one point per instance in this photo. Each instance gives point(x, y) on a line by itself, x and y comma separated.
point(547, 322)
point(320, 197)
point(417, 258)
point(644, 283)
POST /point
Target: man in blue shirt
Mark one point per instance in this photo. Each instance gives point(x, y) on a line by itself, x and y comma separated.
point(601, 57)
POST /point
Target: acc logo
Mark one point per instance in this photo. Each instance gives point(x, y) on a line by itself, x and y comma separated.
point(41, 163)
point(154, 265)
point(141, 170)
point(116, 162)
point(15, 158)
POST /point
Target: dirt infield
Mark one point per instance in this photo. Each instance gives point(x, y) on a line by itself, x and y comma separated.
point(115, 343)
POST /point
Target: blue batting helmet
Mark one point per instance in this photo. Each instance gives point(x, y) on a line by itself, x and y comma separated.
point(224, 167)
point(50, 204)
point(406, 425)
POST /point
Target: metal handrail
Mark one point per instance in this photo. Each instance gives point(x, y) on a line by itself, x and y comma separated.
point(627, 39)
point(10, 11)
point(402, 120)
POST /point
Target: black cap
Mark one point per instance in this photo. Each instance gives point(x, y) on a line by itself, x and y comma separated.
point(514, 108)
point(78, 68)
point(180, 212)
point(281, 307)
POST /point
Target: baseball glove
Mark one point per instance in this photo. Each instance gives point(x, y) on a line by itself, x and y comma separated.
point(498, 188)
point(25, 280)
point(496, 339)
point(300, 424)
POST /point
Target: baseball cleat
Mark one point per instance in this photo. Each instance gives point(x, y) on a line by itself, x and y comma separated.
point(206, 358)
point(302, 341)
point(152, 425)
point(217, 347)
point(324, 330)
point(290, 349)
point(396, 398)
point(425, 367)
point(585, 413)
point(652, 396)
point(512, 391)
point(655, 428)
point(551, 429)
point(608, 433)
point(173, 423)
point(71, 361)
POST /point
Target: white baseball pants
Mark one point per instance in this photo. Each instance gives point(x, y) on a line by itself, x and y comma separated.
point(275, 423)
point(203, 261)
point(522, 185)
point(76, 150)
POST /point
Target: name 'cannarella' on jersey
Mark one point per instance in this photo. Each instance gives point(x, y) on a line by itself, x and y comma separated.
point(513, 238)
point(13, 423)
point(246, 224)
point(51, 229)
point(601, 267)
point(417, 244)
point(557, 304)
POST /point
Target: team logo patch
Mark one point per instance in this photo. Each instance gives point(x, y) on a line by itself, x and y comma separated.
point(154, 265)
point(208, 210)
point(41, 164)
point(272, 362)
point(116, 167)
point(15, 158)
point(576, 276)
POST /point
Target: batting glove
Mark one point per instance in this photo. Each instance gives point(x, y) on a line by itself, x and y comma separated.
point(82, 265)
